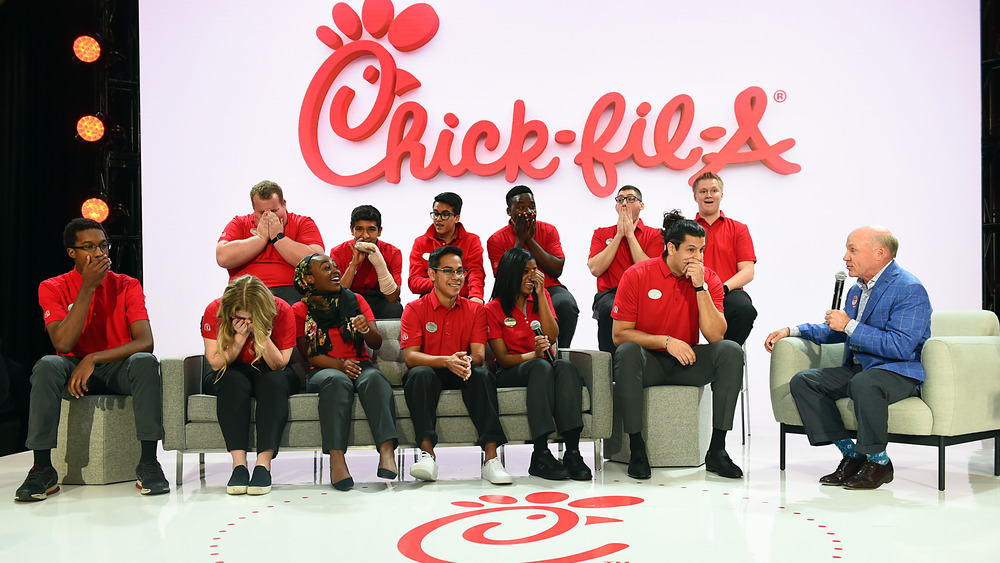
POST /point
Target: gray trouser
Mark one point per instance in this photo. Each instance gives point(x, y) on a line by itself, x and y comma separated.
point(555, 394)
point(138, 375)
point(719, 363)
point(336, 401)
point(816, 391)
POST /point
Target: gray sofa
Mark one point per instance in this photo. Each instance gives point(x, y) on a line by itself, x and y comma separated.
point(959, 402)
point(191, 426)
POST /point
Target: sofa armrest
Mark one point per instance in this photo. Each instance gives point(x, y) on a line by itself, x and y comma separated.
point(963, 383)
point(595, 369)
point(181, 379)
point(792, 355)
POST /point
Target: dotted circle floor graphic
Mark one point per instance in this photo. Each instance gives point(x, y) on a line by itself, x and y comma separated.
point(520, 524)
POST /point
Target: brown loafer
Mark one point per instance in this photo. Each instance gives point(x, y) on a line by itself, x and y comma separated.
point(871, 476)
point(849, 465)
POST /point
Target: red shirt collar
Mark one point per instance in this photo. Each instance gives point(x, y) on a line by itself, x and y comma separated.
point(459, 233)
point(436, 303)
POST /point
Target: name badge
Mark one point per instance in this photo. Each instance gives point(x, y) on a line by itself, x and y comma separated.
point(655, 294)
point(510, 322)
point(70, 306)
point(854, 302)
point(426, 255)
point(608, 242)
point(431, 326)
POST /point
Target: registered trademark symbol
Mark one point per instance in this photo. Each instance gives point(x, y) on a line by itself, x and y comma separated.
point(780, 96)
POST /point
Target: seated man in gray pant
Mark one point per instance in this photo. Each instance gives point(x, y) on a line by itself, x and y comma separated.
point(98, 324)
point(661, 305)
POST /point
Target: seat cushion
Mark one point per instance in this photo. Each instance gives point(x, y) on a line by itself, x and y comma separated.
point(910, 416)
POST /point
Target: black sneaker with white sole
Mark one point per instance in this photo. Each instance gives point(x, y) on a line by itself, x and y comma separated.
point(149, 478)
point(40, 483)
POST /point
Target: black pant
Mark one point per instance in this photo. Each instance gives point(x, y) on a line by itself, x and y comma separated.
point(719, 363)
point(270, 387)
point(566, 310)
point(603, 303)
point(555, 394)
point(816, 391)
point(740, 315)
point(422, 386)
point(382, 308)
point(138, 375)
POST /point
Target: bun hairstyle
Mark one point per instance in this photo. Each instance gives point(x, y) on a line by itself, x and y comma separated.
point(676, 228)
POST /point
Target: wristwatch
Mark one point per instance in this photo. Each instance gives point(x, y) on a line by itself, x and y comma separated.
point(702, 287)
point(277, 237)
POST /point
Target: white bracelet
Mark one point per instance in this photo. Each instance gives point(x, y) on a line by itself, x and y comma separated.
point(366, 331)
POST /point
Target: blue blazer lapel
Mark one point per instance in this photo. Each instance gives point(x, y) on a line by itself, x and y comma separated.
point(881, 286)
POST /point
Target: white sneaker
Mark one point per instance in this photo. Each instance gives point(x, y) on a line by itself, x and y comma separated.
point(426, 469)
point(494, 472)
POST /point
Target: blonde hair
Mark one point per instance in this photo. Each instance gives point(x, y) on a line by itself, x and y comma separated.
point(249, 294)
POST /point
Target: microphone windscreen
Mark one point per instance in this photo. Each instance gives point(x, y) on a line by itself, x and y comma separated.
point(841, 276)
point(535, 325)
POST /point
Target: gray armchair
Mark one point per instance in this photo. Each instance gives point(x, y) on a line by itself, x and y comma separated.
point(959, 402)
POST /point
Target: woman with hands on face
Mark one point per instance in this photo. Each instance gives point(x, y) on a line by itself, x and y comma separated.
point(249, 335)
point(554, 388)
point(334, 326)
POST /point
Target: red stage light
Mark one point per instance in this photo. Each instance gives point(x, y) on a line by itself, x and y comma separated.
point(90, 128)
point(87, 49)
point(95, 208)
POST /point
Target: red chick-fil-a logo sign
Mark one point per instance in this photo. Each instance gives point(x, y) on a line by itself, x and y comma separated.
point(527, 139)
point(482, 526)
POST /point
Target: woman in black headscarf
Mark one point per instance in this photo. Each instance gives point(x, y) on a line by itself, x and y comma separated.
point(337, 324)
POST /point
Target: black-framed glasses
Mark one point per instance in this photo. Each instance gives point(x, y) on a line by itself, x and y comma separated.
point(626, 198)
point(449, 273)
point(104, 246)
point(445, 215)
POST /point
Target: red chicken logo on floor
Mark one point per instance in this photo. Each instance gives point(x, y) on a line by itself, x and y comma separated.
point(483, 525)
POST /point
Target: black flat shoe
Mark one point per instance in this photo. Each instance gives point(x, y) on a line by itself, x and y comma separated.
point(384, 473)
point(544, 465)
point(344, 484)
point(720, 463)
point(638, 468)
point(260, 481)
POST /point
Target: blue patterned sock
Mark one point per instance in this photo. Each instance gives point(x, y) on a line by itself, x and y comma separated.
point(847, 448)
point(880, 458)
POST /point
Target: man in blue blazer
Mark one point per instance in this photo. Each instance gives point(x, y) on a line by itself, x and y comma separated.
point(885, 322)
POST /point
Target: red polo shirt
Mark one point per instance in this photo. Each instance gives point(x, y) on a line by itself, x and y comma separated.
point(269, 266)
point(366, 278)
point(546, 236)
point(439, 331)
point(650, 239)
point(282, 332)
point(341, 350)
point(472, 260)
point(658, 302)
point(519, 338)
point(117, 303)
point(727, 241)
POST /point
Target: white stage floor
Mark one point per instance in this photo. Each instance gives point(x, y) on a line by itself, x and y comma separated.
point(680, 514)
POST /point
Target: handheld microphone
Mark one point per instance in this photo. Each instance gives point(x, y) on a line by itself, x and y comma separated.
point(537, 327)
point(838, 288)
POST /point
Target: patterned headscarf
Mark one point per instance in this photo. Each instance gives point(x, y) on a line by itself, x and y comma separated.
point(325, 311)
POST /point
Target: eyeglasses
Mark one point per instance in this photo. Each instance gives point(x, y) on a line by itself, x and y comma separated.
point(626, 198)
point(442, 215)
point(104, 246)
point(449, 273)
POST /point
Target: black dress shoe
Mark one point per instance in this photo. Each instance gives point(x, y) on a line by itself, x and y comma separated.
point(870, 476)
point(544, 465)
point(720, 463)
point(849, 465)
point(638, 467)
point(578, 470)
